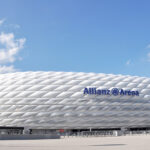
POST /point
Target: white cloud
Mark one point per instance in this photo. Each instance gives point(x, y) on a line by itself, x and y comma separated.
point(128, 62)
point(2, 21)
point(11, 47)
point(7, 69)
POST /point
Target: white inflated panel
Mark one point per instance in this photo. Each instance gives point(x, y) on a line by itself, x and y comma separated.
point(56, 100)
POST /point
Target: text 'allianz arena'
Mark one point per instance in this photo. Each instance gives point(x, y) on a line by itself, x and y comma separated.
point(68, 100)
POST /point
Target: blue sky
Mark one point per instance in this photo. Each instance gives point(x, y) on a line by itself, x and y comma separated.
point(101, 36)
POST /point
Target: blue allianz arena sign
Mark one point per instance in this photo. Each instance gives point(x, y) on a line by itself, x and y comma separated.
point(114, 91)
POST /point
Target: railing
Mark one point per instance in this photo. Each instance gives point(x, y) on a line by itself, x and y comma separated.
point(88, 134)
point(103, 133)
point(144, 132)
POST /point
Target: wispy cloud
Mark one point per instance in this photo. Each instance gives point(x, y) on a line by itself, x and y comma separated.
point(6, 69)
point(2, 21)
point(128, 62)
point(11, 47)
point(148, 46)
point(15, 26)
point(148, 56)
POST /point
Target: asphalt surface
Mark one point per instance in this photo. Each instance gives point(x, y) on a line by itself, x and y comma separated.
point(139, 142)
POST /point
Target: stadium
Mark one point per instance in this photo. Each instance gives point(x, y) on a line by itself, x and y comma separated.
point(44, 102)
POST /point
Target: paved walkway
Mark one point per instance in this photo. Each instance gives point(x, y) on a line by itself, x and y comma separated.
point(139, 142)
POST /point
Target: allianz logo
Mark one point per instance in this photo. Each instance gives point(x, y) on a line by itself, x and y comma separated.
point(114, 92)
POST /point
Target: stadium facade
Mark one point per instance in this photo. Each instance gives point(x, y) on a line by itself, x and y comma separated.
point(69, 100)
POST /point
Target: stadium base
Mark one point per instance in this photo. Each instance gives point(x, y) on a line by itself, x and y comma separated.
point(28, 137)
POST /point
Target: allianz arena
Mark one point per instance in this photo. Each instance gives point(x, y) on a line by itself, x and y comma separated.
point(69, 100)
